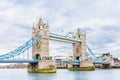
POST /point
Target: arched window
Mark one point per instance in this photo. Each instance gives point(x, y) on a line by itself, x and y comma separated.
point(36, 57)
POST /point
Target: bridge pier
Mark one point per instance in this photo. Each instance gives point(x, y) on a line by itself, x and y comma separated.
point(85, 65)
point(43, 66)
point(40, 50)
point(32, 67)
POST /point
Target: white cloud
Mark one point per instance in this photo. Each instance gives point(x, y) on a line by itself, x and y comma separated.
point(17, 17)
point(16, 22)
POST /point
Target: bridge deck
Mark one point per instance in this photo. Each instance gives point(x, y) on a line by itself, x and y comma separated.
point(78, 62)
point(101, 63)
point(35, 61)
point(18, 61)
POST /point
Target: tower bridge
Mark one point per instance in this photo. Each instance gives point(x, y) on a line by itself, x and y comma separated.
point(41, 60)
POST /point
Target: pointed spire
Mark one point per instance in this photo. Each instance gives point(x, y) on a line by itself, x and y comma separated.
point(47, 24)
point(78, 33)
point(78, 30)
point(33, 28)
point(40, 22)
point(33, 25)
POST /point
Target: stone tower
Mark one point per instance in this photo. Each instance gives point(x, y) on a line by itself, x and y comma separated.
point(79, 49)
point(41, 48)
point(79, 53)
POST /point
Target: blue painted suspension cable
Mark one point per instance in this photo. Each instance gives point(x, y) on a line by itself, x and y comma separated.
point(20, 49)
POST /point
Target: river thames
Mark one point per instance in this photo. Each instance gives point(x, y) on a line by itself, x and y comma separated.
point(62, 74)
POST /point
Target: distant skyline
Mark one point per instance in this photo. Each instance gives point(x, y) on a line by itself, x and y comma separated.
point(99, 18)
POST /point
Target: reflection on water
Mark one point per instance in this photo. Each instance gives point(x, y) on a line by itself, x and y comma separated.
point(62, 74)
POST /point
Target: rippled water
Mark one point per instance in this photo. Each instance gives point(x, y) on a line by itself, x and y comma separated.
point(62, 74)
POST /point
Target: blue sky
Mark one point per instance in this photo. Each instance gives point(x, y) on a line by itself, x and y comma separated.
point(99, 18)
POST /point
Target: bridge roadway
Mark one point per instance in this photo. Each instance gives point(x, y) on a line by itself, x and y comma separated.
point(18, 61)
point(77, 62)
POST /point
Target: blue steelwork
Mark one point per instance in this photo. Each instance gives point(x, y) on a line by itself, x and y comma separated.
point(5, 57)
point(101, 63)
point(90, 51)
point(97, 60)
point(18, 61)
point(20, 49)
point(77, 62)
point(67, 61)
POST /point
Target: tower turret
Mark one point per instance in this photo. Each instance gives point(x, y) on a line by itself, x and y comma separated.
point(33, 28)
point(40, 23)
point(78, 33)
point(47, 24)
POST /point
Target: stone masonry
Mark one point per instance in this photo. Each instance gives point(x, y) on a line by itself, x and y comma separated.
point(42, 46)
point(79, 49)
point(40, 50)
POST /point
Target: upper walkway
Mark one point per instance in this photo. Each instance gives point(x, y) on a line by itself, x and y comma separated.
point(61, 38)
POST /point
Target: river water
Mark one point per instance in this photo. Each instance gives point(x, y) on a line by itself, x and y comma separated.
point(62, 74)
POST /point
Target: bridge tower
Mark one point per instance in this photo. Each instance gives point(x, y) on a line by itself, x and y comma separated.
point(79, 49)
point(79, 53)
point(40, 50)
